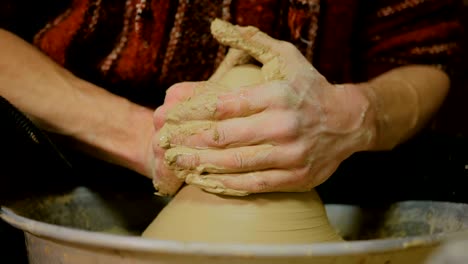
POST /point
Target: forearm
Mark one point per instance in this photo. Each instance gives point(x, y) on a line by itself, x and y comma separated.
point(107, 126)
point(402, 101)
point(110, 128)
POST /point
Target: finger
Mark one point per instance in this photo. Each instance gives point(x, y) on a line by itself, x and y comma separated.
point(164, 180)
point(170, 133)
point(234, 160)
point(280, 58)
point(233, 58)
point(241, 184)
point(159, 117)
point(249, 39)
point(174, 94)
point(202, 103)
point(179, 94)
point(276, 127)
point(240, 102)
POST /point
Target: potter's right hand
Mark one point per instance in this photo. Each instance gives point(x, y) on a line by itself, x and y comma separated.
point(287, 134)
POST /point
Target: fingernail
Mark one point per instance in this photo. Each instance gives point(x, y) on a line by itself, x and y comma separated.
point(183, 161)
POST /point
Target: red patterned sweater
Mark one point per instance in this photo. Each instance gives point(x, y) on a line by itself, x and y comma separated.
point(137, 48)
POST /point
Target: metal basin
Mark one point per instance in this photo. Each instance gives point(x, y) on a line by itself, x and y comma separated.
point(91, 226)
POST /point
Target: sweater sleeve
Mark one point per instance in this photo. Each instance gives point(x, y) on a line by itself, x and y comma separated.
point(393, 33)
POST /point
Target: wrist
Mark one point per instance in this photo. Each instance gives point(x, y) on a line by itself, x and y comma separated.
point(403, 100)
point(371, 114)
point(141, 151)
point(358, 117)
point(113, 129)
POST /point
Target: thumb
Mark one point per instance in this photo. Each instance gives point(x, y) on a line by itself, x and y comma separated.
point(280, 59)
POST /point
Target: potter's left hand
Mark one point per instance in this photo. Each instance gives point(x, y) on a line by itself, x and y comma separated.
point(289, 133)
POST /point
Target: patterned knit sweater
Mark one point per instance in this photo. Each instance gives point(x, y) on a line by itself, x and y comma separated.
point(137, 48)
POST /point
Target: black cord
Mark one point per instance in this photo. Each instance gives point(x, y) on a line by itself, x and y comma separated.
point(24, 129)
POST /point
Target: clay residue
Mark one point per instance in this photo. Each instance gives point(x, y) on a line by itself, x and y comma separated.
point(194, 115)
point(185, 118)
point(240, 38)
point(189, 109)
point(170, 133)
point(176, 129)
point(212, 186)
point(195, 215)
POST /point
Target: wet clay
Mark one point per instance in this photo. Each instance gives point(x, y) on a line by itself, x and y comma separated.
point(233, 73)
point(238, 76)
point(270, 218)
point(197, 215)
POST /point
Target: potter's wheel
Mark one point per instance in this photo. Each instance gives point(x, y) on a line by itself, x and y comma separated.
point(90, 226)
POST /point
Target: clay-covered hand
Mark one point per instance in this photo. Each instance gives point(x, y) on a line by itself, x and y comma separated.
point(164, 179)
point(288, 133)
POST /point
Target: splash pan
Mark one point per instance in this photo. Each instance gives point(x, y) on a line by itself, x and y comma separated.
point(89, 226)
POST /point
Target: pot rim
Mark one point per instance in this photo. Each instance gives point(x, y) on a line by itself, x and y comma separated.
point(139, 244)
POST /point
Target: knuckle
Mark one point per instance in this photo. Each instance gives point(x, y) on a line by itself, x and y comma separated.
point(289, 127)
point(189, 161)
point(284, 97)
point(176, 160)
point(300, 152)
point(222, 110)
point(259, 185)
point(238, 160)
point(218, 138)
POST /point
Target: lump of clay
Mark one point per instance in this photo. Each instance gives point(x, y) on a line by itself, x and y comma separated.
point(270, 218)
point(242, 75)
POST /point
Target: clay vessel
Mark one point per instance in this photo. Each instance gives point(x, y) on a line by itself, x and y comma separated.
point(271, 218)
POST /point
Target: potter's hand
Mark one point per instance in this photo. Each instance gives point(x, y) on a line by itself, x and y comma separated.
point(164, 179)
point(287, 134)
